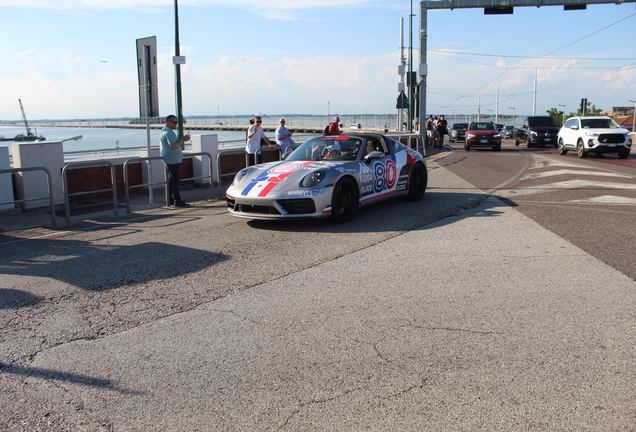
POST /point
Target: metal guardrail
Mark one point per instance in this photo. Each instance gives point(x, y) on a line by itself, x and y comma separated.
point(79, 165)
point(50, 184)
point(127, 186)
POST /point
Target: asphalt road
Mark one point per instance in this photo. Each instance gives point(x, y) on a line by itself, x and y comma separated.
point(589, 202)
point(457, 312)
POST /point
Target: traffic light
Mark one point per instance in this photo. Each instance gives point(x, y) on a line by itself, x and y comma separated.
point(583, 106)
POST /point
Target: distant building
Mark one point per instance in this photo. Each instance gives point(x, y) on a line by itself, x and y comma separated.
point(623, 116)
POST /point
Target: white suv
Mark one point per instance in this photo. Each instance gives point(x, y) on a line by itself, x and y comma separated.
point(597, 135)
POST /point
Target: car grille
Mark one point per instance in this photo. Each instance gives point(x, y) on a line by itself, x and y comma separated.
point(253, 209)
point(611, 138)
point(298, 206)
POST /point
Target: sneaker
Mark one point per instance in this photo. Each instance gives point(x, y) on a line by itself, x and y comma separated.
point(181, 204)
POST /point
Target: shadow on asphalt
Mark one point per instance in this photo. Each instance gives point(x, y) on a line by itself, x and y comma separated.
point(50, 374)
point(101, 267)
point(392, 215)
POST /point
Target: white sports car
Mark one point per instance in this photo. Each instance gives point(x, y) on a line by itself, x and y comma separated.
point(329, 176)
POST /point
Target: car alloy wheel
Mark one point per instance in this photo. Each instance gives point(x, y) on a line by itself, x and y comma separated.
point(562, 150)
point(344, 201)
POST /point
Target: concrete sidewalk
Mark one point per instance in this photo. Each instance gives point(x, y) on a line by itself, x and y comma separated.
point(467, 320)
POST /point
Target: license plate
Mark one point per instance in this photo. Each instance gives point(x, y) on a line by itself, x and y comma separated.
point(546, 139)
point(484, 141)
point(611, 145)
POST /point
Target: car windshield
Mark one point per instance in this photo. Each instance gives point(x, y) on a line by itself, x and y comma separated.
point(343, 148)
point(482, 126)
point(599, 123)
point(509, 128)
point(541, 121)
point(460, 125)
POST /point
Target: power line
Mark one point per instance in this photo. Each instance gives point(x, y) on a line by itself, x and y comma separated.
point(551, 52)
point(532, 57)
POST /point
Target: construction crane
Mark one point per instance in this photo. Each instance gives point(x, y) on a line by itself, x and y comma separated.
point(26, 124)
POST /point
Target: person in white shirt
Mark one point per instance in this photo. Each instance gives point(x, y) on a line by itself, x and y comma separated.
point(254, 135)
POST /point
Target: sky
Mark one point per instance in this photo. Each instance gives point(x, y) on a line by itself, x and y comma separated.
point(76, 59)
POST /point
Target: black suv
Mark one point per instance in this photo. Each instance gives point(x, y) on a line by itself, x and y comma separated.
point(535, 131)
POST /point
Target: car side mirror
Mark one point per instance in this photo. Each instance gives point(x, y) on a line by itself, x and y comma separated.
point(574, 127)
point(374, 155)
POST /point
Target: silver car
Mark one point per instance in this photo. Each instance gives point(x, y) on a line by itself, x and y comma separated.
point(329, 176)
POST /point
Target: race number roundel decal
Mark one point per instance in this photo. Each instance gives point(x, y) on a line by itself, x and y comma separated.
point(391, 174)
point(380, 180)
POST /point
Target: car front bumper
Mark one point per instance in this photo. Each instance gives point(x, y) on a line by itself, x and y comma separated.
point(483, 142)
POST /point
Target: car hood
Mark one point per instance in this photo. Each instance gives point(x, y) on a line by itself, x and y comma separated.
point(482, 132)
point(263, 179)
point(544, 129)
point(606, 131)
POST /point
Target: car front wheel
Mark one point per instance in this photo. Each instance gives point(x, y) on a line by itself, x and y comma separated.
point(344, 201)
point(623, 154)
point(562, 150)
point(580, 149)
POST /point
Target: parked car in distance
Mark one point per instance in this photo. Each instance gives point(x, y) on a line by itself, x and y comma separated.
point(482, 134)
point(535, 131)
point(507, 131)
point(594, 134)
point(457, 132)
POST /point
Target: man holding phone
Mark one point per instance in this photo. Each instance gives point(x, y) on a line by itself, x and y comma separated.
point(254, 136)
point(172, 156)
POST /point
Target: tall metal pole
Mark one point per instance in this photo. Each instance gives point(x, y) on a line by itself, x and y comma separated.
point(147, 101)
point(409, 75)
point(400, 126)
point(534, 97)
point(423, 67)
point(177, 71)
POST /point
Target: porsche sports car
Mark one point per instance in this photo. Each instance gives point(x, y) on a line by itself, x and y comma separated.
point(329, 176)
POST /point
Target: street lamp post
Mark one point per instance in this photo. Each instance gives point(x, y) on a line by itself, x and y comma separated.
point(513, 114)
point(562, 116)
point(218, 115)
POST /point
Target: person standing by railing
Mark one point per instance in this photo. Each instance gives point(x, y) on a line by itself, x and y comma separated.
point(172, 156)
point(254, 136)
point(283, 136)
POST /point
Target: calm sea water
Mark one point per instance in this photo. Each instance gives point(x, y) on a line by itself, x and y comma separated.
point(112, 138)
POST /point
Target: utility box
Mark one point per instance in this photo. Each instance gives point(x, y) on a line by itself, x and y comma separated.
point(201, 164)
point(34, 184)
point(6, 185)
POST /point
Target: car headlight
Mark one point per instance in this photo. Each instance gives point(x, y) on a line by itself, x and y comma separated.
point(313, 178)
point(590, 134)
point(239, 175)
point(469, 136)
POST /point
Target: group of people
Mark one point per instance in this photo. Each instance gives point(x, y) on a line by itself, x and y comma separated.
point(172, 155)
point(436, 128)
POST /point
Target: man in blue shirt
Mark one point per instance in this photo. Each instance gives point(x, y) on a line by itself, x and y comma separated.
point(283, 136)
point(172, 156)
